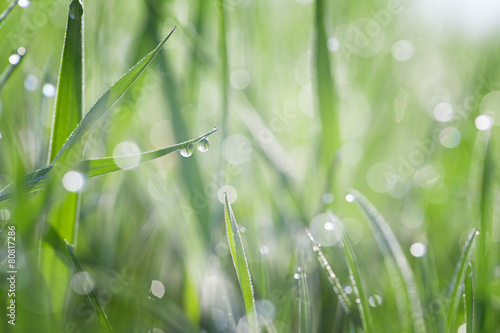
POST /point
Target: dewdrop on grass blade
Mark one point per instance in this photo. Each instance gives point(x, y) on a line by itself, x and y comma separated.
point(187, 150)
point(350, 198)
point(24, 3)
point(203, 145)
point(483, 122)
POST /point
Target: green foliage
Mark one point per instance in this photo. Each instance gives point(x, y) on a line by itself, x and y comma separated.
point(240, 264)
point(312, 98)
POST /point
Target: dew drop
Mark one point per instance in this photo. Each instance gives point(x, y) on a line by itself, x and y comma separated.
point(157, 288)
point(203, 145)
point(72, 10)
point(49, 90)
point(31, 83)
point(350, 198)
point(375, 301)
point(187, 150)
point(264, 249)
point(14, 59)
point(24, 3)
point(483, 122)
point(418, 250)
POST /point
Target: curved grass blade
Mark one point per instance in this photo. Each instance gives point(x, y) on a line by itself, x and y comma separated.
point(14, 60)
point(359, 292)
point(469, 301)
point(332, 278)
point(390, 248)
point(240, 264)
point(102, 166)
point(39, 179)
point(89, 291)
point(106, 101)
point(457, 284)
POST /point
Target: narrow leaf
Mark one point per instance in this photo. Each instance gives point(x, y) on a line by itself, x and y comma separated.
point(357, 285)
point(89, 290)
point(457, 284)
point(39, 179)
point(106, 101)
point(15, 60)
point(482, 209)
point(332, 278)
point(325, 90)
point(469, 300)
point(68, 106)
point(390, 248)
point(6, 12)
point(304, 303)
point(240, 265)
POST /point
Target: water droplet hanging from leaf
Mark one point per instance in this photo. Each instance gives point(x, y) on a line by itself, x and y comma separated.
point(203, 145)
point(187, 150)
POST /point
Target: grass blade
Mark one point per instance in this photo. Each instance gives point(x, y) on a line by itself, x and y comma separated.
point(469, 300)
point(224, 84)
point(482, 197)
point(304, 303)
point(390, 248)
point(345, 302)
point(357, 285)
point(325, 90)
point(69, 105)
point(89, 291)
point(106, 101)
point(457, 284)
point(14, 60)
point(6, 12)
point(240, 264)
point(39, 179)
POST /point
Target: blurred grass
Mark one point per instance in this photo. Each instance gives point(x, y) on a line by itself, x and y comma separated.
point(295, 83)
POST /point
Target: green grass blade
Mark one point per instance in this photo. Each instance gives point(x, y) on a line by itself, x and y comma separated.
point(390, 248)
point(240, 264)
point(89, 291)
point(69, 105)
point(10, 69)
point(345, 302)
point(106, 101)
point(357, 285)
point(6, 12)
point(325, 90)
point(482, 184)
point(101, 166)
point(304, 303)
point(457, 284)
point(39, 179)
point(224, 83)
point(469, 300)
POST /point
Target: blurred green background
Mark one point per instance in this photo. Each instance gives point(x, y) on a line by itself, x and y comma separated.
point(312, 98)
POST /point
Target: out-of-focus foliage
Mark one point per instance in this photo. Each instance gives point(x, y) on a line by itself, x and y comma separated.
point(398, 99)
